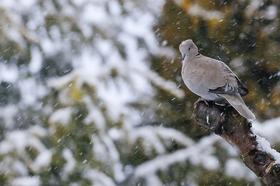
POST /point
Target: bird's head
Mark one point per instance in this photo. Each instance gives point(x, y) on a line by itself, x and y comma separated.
point(188, 49)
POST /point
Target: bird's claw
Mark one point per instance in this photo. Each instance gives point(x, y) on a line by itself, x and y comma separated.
point(202, 100)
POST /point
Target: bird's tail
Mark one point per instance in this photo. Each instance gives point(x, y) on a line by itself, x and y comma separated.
point(237, 102)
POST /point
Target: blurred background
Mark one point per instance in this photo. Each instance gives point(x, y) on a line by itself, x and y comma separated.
point(91, 92)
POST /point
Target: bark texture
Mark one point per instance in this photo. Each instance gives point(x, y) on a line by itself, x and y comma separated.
point(226, 122)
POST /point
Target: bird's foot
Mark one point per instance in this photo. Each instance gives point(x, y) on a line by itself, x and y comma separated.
point(220, 104)
point(202, 100)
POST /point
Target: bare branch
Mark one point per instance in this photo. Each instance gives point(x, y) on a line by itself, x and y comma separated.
point(235, 129)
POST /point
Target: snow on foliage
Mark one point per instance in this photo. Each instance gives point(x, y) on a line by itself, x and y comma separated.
point(108, 52)
point(27, 181)
point(83, 72)
point(200, 153)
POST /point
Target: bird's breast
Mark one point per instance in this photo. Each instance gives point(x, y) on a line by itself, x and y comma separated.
point(195, 81)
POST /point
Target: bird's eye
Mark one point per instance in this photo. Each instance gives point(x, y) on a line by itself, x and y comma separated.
point(189, 48)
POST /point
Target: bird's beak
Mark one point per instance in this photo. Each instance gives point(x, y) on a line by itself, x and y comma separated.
point(183, 56)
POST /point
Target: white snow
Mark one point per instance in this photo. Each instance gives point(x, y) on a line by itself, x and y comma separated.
point(19, 167)
point(8, 113)
point(98, 178)
point(42, 160)
point(269, 129)
point(26, 181)
point(31, 90)
point(61, 116)
point(271, 12)
point(94, 14)
point(38, 131)
point(236, 169)
point(8, 73)
point(198, 154)
point(70, 162)
point(18, 141)
point(152, 138)
point(166, 85)
point(95, 116)
point(169, 133)
point(264, 145)
point(36, 61)
point(153, 180)
point(115, 158)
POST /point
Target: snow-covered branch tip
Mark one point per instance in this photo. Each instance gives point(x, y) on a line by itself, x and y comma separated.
point(255, 151)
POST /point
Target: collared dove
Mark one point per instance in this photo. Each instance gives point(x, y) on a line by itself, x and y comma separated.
point(212, 79)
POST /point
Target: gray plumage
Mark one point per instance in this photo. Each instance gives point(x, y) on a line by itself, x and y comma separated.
point(212, 79)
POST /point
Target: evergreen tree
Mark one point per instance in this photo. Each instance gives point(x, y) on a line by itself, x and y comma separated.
point(89, 95)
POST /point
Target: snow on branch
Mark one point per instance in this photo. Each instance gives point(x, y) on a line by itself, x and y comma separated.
point(200, 153)
point(192, 154)
point(255, 151)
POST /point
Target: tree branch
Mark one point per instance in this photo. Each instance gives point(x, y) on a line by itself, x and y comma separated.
point(235, 129)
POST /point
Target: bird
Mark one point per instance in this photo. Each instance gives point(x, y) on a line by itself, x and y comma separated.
point(212, 79)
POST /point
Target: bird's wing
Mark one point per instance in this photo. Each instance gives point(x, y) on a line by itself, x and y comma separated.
point(232, 84)
point(231, 90)
point(220, 80)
